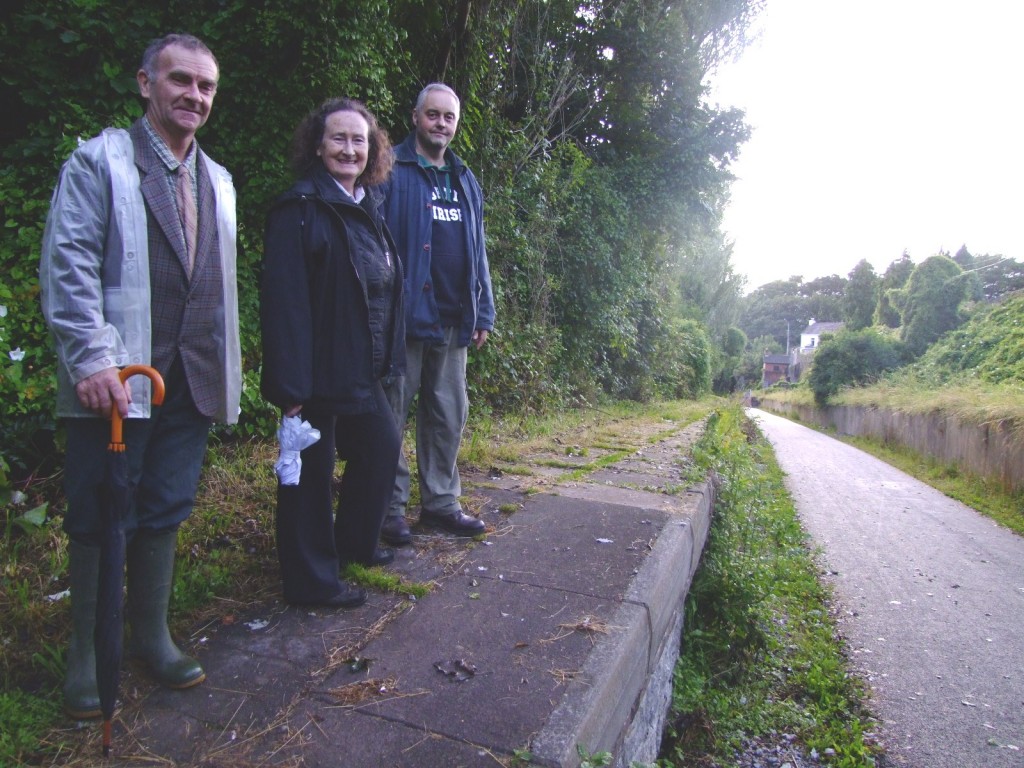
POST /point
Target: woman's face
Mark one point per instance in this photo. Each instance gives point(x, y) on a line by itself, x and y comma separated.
point(345, 147)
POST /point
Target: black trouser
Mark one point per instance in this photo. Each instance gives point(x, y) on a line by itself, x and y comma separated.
point(312, 541)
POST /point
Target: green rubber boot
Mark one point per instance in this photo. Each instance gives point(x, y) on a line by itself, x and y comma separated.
point(150, 577)
point(81, 698)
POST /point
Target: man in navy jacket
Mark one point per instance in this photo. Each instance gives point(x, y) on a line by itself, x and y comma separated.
point(434, 209)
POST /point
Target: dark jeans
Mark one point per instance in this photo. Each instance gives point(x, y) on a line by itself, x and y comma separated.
point(313, 541)
point(165, 456)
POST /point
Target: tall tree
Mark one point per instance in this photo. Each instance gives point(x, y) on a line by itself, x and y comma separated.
point(930, 302)
point(966, 261)
point(824, 297)
point(861, 296)
point(777, 309)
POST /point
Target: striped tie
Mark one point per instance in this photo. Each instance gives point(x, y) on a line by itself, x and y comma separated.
point(188, 213)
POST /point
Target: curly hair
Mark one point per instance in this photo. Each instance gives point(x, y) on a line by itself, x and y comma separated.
point(310, 133)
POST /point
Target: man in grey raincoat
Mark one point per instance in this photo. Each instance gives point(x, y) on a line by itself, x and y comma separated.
point(138, 267)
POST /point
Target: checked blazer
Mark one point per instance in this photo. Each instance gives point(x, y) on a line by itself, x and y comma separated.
point(184, 309)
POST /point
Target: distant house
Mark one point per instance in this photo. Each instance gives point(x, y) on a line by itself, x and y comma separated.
point(789, 367)
point(811, 336)
point(776, 369)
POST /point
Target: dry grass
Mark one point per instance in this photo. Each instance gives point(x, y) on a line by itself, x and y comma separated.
point(504, 442)
point(363, 691)
point(968, 401)
point(589, 625)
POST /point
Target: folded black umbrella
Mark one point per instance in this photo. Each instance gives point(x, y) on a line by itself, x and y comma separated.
point(116, 502)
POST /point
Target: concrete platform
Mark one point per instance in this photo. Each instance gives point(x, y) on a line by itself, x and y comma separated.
point(559, 630)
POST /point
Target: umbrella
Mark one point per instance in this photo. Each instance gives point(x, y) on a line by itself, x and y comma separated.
point(116, 500)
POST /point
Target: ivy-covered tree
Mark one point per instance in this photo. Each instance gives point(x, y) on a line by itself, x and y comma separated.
point(930, 302)
point(895, 277)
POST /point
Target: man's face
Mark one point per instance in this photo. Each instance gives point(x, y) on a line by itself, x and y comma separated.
point(181, 95)
point(436, 122)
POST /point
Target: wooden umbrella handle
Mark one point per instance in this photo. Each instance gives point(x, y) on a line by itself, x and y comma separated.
point(116, 437)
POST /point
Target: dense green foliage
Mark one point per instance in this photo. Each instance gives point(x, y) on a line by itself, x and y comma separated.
point(851, 358)
point(992, 277)
point(861, 297)
point(989, 346)
point(930, 303)
point(923, 302)
point(604, 166)
point(895, 277)
point(759, 655)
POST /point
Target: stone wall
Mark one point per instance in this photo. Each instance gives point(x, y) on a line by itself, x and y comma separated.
point(989, 450)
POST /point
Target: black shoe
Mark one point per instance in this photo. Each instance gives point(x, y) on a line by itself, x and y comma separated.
point(349, 597)
point(460, 523)
point(395, 531)
point(381, 556)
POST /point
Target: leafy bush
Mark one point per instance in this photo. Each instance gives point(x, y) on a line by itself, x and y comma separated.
point(851, 358)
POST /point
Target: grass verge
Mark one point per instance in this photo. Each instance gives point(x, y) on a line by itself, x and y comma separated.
point(760, 654)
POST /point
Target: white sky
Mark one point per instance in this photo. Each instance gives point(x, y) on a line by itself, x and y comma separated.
point(879, 126)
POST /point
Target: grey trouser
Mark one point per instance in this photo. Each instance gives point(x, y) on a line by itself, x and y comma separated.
point(438, 374)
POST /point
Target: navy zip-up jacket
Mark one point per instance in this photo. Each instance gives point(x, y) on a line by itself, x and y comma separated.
point(408, 209)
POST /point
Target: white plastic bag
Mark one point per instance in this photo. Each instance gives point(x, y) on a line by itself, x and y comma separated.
point(294, 435)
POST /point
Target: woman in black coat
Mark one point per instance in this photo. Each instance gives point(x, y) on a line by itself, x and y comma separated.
point(333, 331)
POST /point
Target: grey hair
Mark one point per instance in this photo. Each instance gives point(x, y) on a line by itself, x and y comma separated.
point(436, 87)
point(156, 47)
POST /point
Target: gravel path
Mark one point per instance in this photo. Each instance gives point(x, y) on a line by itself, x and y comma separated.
point(931, 603)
